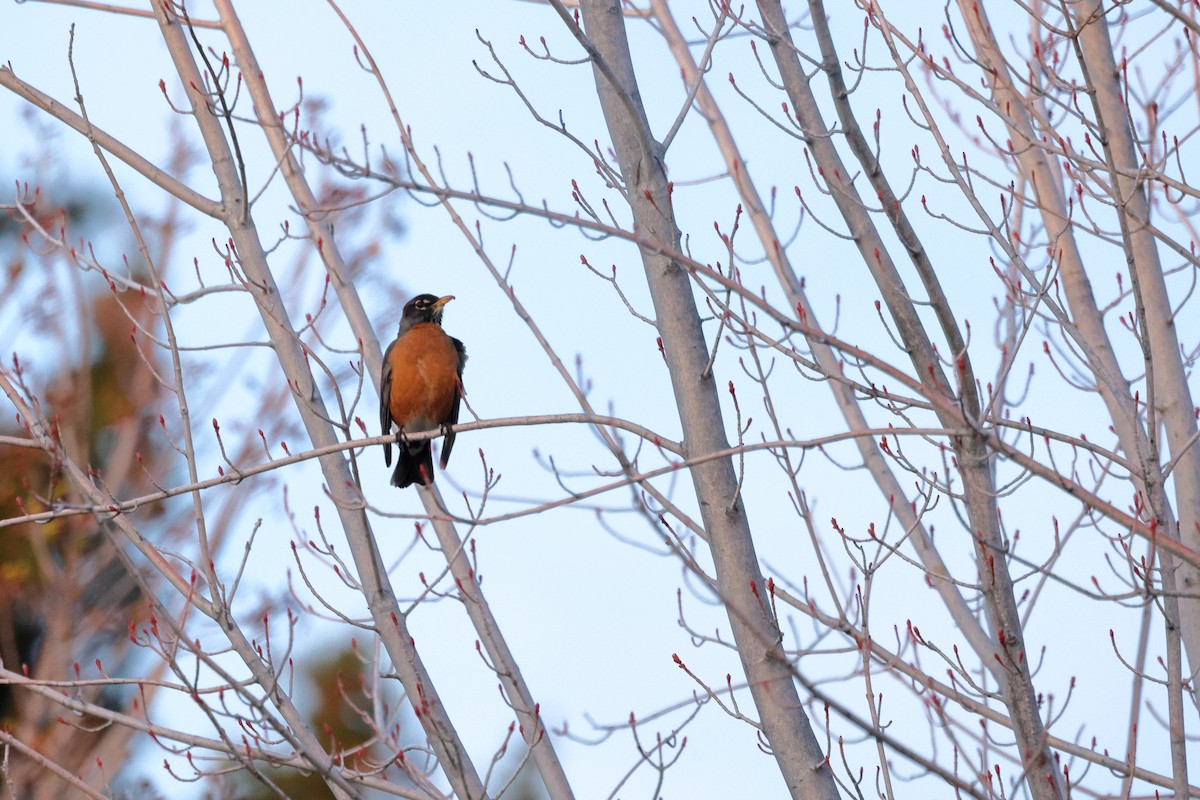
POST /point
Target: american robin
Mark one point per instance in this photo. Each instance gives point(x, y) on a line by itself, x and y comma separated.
point(421, 388)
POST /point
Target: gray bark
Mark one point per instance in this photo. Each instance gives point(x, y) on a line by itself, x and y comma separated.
point(389, 620)
point(508, 672)
point(972, 451)
point(784, 723)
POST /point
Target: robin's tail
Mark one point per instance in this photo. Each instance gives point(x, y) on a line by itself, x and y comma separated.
point(413, 466)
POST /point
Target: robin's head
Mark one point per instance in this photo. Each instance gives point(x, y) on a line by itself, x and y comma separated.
point(423, 308)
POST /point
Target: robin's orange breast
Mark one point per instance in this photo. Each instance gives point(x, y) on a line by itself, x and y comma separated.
point(424, 378)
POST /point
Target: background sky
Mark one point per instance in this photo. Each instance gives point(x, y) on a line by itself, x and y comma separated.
point(591, 616)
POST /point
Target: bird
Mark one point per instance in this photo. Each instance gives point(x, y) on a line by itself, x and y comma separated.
point(420, 388)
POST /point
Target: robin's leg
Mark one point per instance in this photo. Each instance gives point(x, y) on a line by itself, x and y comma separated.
point(401, 439)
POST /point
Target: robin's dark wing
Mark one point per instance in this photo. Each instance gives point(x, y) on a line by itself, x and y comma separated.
point(385, 409)
point(448, 443)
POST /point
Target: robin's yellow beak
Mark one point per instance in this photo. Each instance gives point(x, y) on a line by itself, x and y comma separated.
point(441, 301)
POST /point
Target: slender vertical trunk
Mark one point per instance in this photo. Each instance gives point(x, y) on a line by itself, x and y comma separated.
point(972, 452)
point(784, 724)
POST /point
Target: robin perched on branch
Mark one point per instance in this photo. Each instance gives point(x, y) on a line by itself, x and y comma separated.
point(421, 388)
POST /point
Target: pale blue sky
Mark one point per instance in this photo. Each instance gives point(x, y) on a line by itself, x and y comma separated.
point(592, 620)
